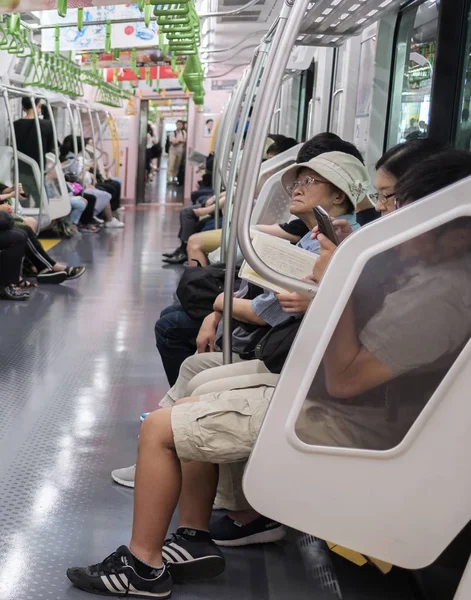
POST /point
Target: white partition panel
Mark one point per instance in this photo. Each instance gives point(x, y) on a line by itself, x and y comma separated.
point(406, 493)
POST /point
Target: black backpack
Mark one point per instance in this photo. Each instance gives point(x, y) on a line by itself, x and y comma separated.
point(274, 347)
point(199, 288)
point(167, 144)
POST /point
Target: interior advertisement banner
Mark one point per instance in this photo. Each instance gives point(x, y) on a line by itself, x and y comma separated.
point(92, 37)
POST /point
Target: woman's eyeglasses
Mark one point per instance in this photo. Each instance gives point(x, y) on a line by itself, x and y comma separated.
point(304, 182)
point(384, 199)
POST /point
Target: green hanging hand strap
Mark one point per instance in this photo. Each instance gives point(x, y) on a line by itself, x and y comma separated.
point(147, 14)
point(80, 18)
point(147, 71)
point(94, 62)
point(116, 54)
point(141, 4)
point(57, 41)
point(62, 8)
point(108, 36)
point(14, 23)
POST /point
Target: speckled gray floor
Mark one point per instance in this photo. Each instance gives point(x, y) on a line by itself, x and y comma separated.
point(78, 366)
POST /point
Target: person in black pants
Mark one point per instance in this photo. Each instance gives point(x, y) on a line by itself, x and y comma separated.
point(12, 251)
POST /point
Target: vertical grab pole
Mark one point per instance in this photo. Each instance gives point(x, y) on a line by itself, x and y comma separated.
point(82, 137)
point(284, 38)
point(74, 136)
point(230, 223)
point(216, 174)
point(54, 132)
point(16, 172)
point(41, 162)
point(92, 129)
point(218, 146)
point(228, 137)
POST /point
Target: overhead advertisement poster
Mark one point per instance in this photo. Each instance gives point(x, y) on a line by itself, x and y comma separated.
point(92, 37)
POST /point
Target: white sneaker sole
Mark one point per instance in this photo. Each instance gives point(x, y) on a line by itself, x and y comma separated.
point(264, 537)
point(124, 482)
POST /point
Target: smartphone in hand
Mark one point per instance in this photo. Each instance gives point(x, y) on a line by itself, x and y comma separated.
point(325, 224)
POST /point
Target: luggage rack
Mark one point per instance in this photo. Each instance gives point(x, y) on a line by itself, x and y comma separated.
point(329, 22)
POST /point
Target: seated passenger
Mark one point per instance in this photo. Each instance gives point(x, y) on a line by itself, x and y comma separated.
point(180, 448)
point(12, 252)
point(103, 178)
point(75, 167)
point(27, 143)
point(43, 266)
point(176, 332)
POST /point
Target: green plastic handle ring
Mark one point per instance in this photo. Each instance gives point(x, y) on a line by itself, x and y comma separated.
point(62, 8)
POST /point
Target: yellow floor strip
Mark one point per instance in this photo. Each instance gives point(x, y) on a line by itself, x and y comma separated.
point(48, 244)
point(359, 559)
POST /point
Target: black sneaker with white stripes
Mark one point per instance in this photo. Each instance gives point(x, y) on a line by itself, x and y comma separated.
point(190, 559)
point(117, 576)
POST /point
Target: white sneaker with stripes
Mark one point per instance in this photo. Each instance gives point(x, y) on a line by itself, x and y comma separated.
point(116, 576)
point(189, 560)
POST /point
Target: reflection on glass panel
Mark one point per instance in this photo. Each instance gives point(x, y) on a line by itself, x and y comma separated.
point(407, 320)
point(413, 76)
point(51, 182)
point(29, 177)
point(463, 131)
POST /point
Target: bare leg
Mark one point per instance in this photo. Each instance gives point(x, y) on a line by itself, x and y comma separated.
point(108, 213)
point(157, 488)
point(200, 482)
point(195, 252)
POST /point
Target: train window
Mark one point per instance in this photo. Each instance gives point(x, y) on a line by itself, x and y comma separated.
point(463, 131)
point(401, 331)
point(413, 74)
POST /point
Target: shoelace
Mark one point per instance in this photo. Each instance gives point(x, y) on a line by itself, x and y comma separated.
point(110, 565)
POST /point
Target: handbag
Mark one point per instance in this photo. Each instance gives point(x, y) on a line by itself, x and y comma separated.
point(77, 188)
point(274, 347)
point(199, 287)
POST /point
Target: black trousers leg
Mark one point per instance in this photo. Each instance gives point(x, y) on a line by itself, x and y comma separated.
point(12, 251)
point(88, 213)
point(34, 251)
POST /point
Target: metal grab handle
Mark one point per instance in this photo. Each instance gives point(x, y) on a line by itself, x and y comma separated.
point(230, 217)
point(92, 129)
point(285, 37)
point(54, 135)
point(74, 140)
point(82, 138)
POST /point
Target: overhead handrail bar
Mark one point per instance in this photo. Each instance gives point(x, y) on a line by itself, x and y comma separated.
point(244, 39)
point(63, 25)
point(229, 229)
point(284, 39)
point(30, 95)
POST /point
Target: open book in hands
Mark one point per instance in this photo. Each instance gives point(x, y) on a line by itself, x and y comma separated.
point(281, 256)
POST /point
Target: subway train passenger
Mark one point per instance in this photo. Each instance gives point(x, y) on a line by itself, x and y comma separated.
point(176, 333)
point(27, 142)
point(180, 448)
point(111, 185)
point(176, 150)
point(75, 167)
point(12, 252)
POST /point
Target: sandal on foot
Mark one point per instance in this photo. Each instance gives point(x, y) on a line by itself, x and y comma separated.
point(24, 284)
point(74, 272)
point(52, 277)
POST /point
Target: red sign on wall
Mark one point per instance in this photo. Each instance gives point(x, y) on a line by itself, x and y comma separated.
point(129, 75)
